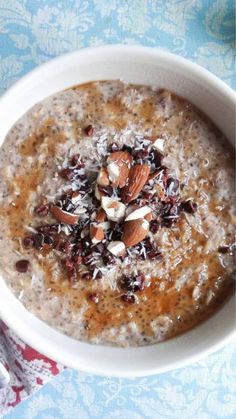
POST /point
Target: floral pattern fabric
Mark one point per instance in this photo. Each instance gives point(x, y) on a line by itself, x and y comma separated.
point(34, 31)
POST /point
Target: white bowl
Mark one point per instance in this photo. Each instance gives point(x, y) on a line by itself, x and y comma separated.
point(136, 65)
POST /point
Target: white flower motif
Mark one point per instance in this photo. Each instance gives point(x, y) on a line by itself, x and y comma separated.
point(173, 16)
point(13, 12)
point(38, 404)
point(10, 68)
point(56, 31)
point(220, 20)
point(94, 41)
point(218, 58)
point(133, 17)
point(105, 7)
point(21, 41)
point(110, 33)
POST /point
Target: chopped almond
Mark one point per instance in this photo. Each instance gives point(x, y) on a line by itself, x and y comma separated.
point(96, 234)
point(119, 164)
point(100, 216)
point(64, 216)
point(102, 178)
point(117, 248)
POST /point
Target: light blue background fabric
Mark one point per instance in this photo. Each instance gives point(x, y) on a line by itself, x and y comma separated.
point(33, 31)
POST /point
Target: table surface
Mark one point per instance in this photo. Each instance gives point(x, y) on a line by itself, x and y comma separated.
point(32, 32)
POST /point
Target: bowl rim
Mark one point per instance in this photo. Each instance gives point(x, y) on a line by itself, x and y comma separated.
point(195, 68)
point(29, 335)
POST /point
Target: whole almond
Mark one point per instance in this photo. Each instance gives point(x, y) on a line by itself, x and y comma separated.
point(134, 231)
point(63, 216)
point(138, 177)
point(123, 160)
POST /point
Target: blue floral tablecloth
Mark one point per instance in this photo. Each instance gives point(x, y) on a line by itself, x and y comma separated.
point(33, 31)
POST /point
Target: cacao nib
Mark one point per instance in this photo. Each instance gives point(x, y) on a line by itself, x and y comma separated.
point(154, 226)
point(72, 275)
point(86, 275)
point(172, 200)
point(69, 264)
point(223, 249)
point(164, 175)
point(116, 234)
point(108, 258)
point(172, 186)
point(152, 251)
point(140, 155)
point(28, 242)
point(98, 248)
point(127, 148)
point(71, 270)
point(48, 240)
point(94, 297)
point(42, 210)
point(133, 283)
point(155, 158)
point(88, 260)
point(170, 213)
point(64, 246)
point(38, 241)
point(68, 174)
point(147, 195)
point(86, 244)
point(49, 229)
point(189, 206)
point(77, 260)
point(85, 186)
point(78, 249)
point(89, 130)
point(168, 222)
point(96, 273)
point(22, 265)
point(77, 161)
point(128, 298)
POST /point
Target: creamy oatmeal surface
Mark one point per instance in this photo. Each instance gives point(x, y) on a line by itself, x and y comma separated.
point(67, 249)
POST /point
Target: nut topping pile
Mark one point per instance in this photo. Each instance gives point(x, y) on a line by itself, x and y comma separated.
point(112, 218)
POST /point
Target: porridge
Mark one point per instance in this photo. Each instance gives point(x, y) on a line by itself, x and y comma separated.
point(117, 213)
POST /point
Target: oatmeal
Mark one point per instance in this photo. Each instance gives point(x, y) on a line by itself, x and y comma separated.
point(117, 213)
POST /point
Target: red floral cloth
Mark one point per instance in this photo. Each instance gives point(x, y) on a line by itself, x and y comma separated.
point(28, 369)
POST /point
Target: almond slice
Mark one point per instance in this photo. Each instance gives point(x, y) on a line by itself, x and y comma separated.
point(96, 234)
point(119, 163)
point(64, 216)
point(141, 212)
point(138, 177)
point(117, 248)
point(135, 231)
point(102, 178)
